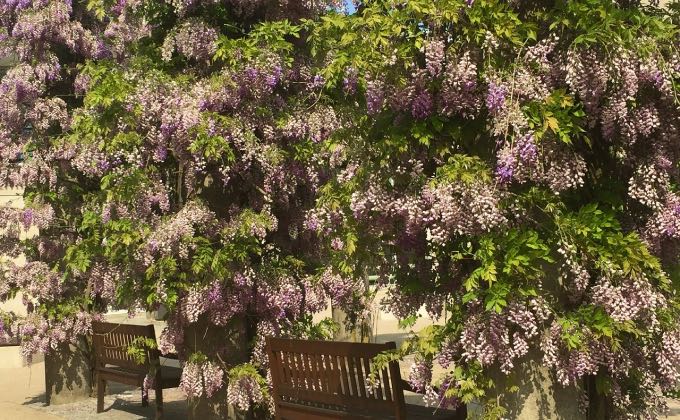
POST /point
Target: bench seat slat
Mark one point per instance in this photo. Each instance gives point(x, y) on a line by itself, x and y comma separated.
point(309, 395)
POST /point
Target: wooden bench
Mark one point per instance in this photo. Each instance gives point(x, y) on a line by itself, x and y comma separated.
point(113, 363)
point(321, 380)
point(13, 342)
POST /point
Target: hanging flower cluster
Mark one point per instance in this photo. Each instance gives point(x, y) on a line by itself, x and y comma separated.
point(247, 387)
point(201, 378)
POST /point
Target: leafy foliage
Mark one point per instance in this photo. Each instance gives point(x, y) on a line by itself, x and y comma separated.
point(512, 167)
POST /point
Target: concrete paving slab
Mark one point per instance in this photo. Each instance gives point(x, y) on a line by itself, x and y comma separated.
point(11, 411)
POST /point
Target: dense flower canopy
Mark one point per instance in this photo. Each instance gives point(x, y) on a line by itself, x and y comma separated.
point(514, 165)
point(167, 153)
point(515, 168)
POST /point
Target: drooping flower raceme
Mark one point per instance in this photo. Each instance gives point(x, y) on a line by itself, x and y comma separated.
point(201, 378)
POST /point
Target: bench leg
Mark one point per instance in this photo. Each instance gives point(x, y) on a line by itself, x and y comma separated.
point(462, 412)
point(101, 388)
point(159, 402)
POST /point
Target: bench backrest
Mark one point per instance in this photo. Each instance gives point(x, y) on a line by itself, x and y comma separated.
point(111, 342)
point(326, 379)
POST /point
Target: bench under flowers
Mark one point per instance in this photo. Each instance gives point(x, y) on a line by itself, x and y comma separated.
point(114, 362)
point(322, 380)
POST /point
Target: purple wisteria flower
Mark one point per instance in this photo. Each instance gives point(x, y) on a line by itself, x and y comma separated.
point(422, 105)
point(527, 149)
point(506, 169)
point(318, 81)
point(28, 218)
point(350, 81)
point(495, 97)
point(243, 391)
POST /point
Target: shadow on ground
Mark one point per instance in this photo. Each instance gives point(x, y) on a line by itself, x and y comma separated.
point(122, 402)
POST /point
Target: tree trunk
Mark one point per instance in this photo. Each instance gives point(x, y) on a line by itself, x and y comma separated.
point(539, 395)
point(597, 404)
point(68, 375)
point(231, 344)
point(363, 333)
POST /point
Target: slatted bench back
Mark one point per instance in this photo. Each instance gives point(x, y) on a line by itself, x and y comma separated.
point(325, 379)
point(111, 343)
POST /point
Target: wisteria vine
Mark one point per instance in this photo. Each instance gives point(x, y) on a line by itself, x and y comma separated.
point(506, 163)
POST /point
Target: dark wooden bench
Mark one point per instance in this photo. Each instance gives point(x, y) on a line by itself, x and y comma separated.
point(321, 380)
point(113, 363)
point(13, 342)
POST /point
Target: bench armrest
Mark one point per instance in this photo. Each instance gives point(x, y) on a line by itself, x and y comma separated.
point(406, 386)
point(172, 356)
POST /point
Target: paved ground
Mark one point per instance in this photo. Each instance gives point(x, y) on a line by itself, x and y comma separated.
point(22, 396)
